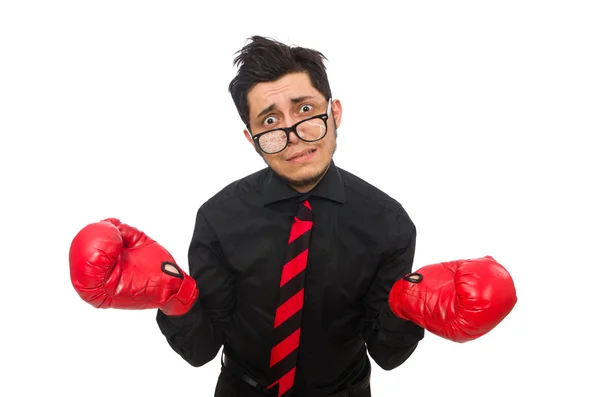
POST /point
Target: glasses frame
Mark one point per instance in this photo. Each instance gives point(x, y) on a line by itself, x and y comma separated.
point(289, 130)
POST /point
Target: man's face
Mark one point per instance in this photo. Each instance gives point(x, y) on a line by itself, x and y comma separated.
point(283, 103)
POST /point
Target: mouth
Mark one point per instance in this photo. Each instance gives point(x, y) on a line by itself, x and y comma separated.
point(301, 156)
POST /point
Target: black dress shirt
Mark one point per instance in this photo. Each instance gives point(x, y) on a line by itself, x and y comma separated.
point(362, 242)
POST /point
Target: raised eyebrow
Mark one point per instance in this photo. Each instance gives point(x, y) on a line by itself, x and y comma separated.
point(271, 107)
point(266, 110)
point(302, 98)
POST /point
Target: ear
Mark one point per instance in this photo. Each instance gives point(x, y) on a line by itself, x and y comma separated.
point(336, 109)
point(249, 139)
point(248, 136)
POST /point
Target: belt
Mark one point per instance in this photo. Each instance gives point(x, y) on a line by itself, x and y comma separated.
point(240, 373)
point(360, 386)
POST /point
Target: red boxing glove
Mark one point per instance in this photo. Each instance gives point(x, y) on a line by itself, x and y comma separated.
point(114, 265)
point(458, 300)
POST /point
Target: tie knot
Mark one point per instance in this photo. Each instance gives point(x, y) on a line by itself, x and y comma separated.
point(304, 211)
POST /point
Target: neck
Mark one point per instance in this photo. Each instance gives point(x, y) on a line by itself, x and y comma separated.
point(305, 188)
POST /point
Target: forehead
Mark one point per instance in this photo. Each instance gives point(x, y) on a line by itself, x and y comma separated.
point(280, 92)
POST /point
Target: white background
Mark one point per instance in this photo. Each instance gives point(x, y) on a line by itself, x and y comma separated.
point(479, 117)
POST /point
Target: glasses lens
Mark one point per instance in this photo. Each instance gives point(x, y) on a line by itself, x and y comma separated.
point(312, 130)
point(273, 141)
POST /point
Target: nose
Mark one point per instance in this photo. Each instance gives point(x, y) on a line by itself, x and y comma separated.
point(293, 138)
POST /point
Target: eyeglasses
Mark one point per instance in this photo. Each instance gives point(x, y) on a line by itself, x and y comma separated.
point(309, 130)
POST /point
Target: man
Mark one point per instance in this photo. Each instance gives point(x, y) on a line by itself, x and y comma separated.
point(362, 242)
point(301, 272)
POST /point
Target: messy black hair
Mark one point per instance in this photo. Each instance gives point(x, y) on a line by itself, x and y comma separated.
point(264, 60)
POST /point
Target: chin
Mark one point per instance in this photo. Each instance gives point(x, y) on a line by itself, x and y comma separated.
point(306, 176)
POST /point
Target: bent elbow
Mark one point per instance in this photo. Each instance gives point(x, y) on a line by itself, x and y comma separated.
point(203, 358)
point(388, 361)
point(386, 366)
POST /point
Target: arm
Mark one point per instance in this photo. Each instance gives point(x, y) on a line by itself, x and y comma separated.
point(198, 335)
point(391, 340)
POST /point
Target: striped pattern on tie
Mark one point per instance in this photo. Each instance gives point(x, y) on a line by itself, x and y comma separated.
point(288, 317)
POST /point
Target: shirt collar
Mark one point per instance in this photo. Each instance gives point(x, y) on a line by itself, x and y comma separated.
point(330, 187)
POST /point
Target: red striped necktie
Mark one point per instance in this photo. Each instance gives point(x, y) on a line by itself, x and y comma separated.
point(288, 317)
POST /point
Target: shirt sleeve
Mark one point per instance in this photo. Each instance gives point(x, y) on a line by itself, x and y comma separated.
point(391, 340)
point(198, 335)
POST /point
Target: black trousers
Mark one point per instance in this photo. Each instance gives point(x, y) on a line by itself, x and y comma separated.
point(230, 385)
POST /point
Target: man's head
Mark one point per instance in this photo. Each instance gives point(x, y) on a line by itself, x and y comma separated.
point(277, 87)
